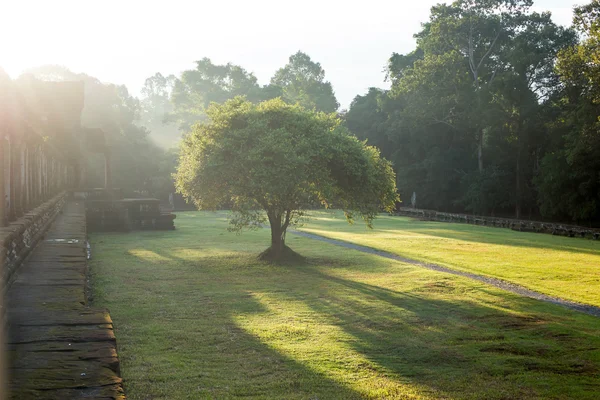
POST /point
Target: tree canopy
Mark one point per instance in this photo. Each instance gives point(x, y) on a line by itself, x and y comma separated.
point(157, 108)
point(472, 117)
point(271, 161)
point(495, 112)
point(569, 178)
point(302, 81)
point(182, 101)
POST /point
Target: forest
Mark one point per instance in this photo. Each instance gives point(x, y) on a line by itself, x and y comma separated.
point(495, 112)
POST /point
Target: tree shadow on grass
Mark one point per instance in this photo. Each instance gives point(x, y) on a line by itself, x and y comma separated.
point(436, 336)
point(465, 347)
point(178, 337)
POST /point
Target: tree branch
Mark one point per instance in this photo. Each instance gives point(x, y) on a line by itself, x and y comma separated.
point(471, 52)
point(492, 78)
point(489, 50)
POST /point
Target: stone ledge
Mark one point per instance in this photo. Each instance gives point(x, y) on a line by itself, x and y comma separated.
point(20, 237)
point(59, 347)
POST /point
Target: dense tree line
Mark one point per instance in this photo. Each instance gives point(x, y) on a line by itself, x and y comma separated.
point(142, 134)
point(171, 106)
point(494, 112)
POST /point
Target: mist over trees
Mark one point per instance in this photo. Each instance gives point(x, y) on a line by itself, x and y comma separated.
point(156, 106)
point(114, 110)
point(495, 112)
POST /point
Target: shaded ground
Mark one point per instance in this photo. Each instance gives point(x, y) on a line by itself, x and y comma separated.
point(198, 316)
point(58, 347)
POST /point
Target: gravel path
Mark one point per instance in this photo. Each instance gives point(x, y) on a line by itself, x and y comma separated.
point(510, 287)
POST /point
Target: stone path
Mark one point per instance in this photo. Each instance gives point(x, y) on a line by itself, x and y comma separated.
point(59, 348)
point(499, 283)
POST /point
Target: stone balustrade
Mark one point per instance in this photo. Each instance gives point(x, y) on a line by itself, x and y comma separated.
point(20, 236)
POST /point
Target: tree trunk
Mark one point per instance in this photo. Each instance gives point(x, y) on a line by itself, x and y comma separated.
point(277, 239)
point(277, 235)
point(480, 152)
point(518, 187)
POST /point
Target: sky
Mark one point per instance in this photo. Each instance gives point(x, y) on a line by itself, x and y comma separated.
point(126, 41)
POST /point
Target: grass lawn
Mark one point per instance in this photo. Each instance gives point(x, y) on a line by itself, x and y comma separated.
point(559, 266)
point(197, 316)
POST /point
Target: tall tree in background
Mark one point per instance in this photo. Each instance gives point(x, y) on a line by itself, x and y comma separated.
point(197, 88)
point(156, 107)
point(443, 101)
point(302, 81)
point(475, 31)
point(464, 120)
point(569, 180)
point(169, 102)
point(368, 121)
point(524, 85)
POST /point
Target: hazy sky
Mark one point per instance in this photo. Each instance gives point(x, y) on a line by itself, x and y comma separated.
point(126, 41)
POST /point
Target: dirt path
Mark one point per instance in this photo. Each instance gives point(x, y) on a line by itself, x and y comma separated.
point(499, 283)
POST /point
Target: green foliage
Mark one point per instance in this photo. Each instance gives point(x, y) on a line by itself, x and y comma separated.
point(465, 120)
point(302, 81)
point(171, 105)
point(196, 89)
point(281, 159)
point(156, 108)
point(569, 181)
point(485, 192)
point(368, 121)
point(579, 66)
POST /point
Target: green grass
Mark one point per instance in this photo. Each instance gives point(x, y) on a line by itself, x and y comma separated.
point(197, 316)
point(559, 266)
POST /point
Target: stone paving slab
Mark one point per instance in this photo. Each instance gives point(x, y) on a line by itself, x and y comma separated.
point(59, 347)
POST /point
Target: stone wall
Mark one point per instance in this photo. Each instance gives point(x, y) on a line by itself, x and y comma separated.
point(21, 236)
point(552, 228)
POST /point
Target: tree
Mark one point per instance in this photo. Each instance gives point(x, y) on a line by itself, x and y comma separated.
point(156, 106)
point(476, 31)
point(272, 161)
point(569, 180)
point(367, 120)
point(197, 88)
point(477, 85)
point(579, 66)
point(302, 81)
point(524, 83)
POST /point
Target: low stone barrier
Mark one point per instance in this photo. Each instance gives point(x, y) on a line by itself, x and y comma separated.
point(17, 240)
point(20, 237)
point(552, 228)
